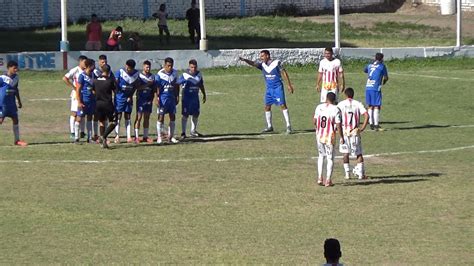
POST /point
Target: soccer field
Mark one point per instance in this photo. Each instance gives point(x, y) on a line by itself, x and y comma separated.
point(236, 196)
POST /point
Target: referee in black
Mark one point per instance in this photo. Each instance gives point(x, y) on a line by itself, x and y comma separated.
point(105, 86)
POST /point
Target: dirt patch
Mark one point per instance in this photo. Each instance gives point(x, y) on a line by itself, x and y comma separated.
point(421, 14)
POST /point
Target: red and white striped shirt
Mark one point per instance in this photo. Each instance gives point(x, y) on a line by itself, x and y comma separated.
point(330, 70)
point(351, 111)
point(326, 117)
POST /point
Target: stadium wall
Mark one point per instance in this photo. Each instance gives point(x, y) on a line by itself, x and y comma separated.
point(467, 5)
point(221, 58)
point(41, 13)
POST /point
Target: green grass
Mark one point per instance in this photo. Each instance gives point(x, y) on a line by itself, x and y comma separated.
point(245, 198)
point(254, 32)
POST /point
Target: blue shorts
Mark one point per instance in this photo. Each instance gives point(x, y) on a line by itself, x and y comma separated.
point(144, 107)
point(8, 111)
point(167, 106)
point(88, 109)
point(275, 96)
point(122, 106)
point(373, 98)
point(190, 107)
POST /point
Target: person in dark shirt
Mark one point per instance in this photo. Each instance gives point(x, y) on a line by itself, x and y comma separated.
point(105, 86)
point(192, 15)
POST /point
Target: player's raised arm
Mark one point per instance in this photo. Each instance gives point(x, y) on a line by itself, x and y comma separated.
point(250, 62)
point(286, 77)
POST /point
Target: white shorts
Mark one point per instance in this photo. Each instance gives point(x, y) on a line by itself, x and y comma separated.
point(74, 103)
point(325, 149)
point(324, 92)
point(352, 145)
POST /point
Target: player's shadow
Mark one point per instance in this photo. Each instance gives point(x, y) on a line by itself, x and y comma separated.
point(217, 139)
point(420, 127)
point(395, 122)
point(49, 143)
point(392, 179)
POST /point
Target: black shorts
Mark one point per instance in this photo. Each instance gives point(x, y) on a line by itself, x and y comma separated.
point(105, 111)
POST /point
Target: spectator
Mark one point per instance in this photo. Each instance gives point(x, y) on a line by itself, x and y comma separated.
point(162, 17)
point(332, 252)
point(192, 15)
point(94, 34)
point(135, 42)
point(113, 43)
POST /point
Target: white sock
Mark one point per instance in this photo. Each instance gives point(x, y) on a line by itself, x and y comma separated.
point(16, 132)
point(320, 166)
point(137, 132)
point(72, 120)
point(330, 163)
point(77, 126)
point(268, 118)
point(145, 132)
point(96, 128)
point(371, 116)
point(129, 129)
point(184, 123)
point(171, 129)
point(287, 117)
point(117, 128)
point(89, 129)
point(361, 169)
point(158, 129)
point(82, 124)
point(347, 169)
point(194, 123)
point(376, 116)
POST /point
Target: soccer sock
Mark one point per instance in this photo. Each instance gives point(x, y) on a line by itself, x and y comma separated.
point(371, 116)
point(145, 133)
point(109, 129)
point(329, 166)
point(287, 117)
point(82, 124)
point(171, 129)
point(158, 129)
point(117, 128)
point(320, 166)
point(268, 117)
point(184, 123)
point(136, 133)
point(361, 170)
point(72, 119)
point(194, 123)
point(127, 126)
point(16, 132)
point(376, 116)
point(96, 128)
point(89, 129)
point(77, 126)
point(347, 169)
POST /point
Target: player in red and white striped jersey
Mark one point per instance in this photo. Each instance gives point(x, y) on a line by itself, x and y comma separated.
point(327, 120)
point(351, 111)
point(330, 75)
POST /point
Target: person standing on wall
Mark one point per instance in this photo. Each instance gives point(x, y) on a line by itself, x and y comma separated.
point(94, 34)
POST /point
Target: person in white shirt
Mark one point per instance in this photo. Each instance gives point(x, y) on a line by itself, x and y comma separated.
point(330, 76)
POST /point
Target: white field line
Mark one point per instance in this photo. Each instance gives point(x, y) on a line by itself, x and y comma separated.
point(430, 76)
point(226, 159)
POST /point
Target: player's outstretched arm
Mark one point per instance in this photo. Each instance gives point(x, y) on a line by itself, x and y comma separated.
point(286, 77)
point(250, 62)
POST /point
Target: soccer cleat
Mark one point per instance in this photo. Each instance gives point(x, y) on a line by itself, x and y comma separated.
point(76, 141)
point(378, 128)
point(328, 183)
point(21, 143)
point(363, 177)
point(136, 140)
point(130, 140)
point(117, 140)
point(347, 177)
point(289, 130)
point(159, 141)
point(173, 140)
point(147, 140)
point(195, 134)
point(321, 181)
point(372, 127)
point(183, 136)
point(267, 130)
point(83, 135)
point(104, 144)
point(72, 136)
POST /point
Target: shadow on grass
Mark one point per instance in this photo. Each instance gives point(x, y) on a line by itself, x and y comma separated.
point(408, 176)
point(52, 143)
point(183, 142)
point(395, 122)
point(420, 127)
point(392, 179)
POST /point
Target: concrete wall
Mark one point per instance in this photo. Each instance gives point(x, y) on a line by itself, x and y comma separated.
point(467, 5)
point(222, 58)
point(37, 13)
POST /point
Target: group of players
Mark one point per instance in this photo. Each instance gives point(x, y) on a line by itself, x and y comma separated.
point(102, 98)
point(330, 118)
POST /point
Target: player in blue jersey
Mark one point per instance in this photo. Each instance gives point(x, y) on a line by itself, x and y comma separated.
point(127, 81)
point(9, 96)
point(377, 76)
point(274, 74)
point(86, 99)
point(145, 95)
point(191, 82)
point(168, 98)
